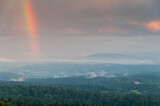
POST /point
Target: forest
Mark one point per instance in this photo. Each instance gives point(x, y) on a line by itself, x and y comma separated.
point(20, 95)
point(119, 90)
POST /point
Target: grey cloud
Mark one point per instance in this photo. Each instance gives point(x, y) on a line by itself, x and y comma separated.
point(55, 16)
point(90, 15)
point(64, 24)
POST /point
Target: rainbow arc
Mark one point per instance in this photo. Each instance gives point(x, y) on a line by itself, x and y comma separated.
point(31, 25)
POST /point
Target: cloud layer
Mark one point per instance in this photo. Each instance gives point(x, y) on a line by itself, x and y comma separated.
point(89, 17)
point(75, 27)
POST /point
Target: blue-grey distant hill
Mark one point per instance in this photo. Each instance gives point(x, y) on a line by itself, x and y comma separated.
point(24, 71)
point(116, 56)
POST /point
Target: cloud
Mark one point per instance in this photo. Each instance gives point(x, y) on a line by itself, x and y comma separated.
point(111, 30)
point(19, 28)
point(153, 26)
point(94, 17)
point(18, 79)
point(92, 75)
point(73, 31)
point(4, 38)
point(73, 27)
point(98, 17)
point(6, 60)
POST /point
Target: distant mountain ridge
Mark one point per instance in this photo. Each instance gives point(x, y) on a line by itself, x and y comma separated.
point(117, 56)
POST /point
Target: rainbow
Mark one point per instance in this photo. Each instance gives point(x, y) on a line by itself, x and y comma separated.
point(31, 25)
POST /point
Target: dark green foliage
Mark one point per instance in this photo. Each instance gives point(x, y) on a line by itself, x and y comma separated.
point(82, 91)
point(51, 96)
point(120, 84)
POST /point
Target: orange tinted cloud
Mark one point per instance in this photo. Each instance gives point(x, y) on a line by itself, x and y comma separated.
point(153, 26)
point(72, 31)
point(134, 23)
point(6, 60)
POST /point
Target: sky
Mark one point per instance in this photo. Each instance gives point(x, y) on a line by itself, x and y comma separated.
point(35, 30)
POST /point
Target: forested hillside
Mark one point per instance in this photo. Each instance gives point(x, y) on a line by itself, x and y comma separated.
point(51, 96)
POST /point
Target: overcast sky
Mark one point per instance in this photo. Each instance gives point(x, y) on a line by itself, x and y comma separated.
point(69, 28)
